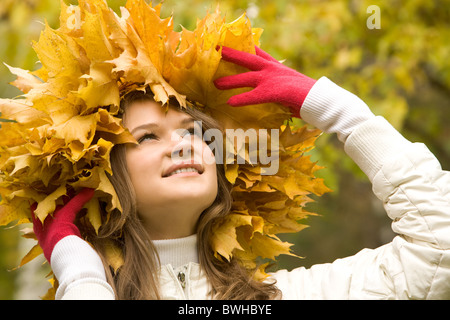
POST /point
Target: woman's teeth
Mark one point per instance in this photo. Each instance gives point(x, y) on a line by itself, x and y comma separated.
point(183, 170)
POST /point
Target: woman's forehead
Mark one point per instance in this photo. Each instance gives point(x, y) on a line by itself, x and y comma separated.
point(141, 112)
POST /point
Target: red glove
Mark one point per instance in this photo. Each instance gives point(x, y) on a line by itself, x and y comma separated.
point(61, 224)
point(273, 81)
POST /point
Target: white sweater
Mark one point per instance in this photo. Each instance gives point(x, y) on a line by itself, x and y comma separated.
point(406, 177)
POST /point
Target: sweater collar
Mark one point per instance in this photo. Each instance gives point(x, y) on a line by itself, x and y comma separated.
point(177, 252)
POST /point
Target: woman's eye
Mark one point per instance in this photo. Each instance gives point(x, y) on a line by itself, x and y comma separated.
point(193, 131)
point(148, 136)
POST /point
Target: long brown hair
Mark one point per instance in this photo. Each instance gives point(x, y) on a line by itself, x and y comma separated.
point(137, 278)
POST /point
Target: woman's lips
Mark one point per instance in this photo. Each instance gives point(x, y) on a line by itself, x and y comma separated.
point(185, 169)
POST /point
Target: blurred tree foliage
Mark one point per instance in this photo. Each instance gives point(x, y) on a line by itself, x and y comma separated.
point(401, 70)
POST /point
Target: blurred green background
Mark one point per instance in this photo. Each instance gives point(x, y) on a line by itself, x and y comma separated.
point(401, 70)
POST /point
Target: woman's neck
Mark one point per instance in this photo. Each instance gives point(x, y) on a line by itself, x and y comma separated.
point(177, 252)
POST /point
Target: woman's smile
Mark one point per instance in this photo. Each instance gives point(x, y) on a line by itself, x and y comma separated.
point(184, 169)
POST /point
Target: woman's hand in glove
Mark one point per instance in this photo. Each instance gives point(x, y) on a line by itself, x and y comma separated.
point(271, 80)
point(61, 224)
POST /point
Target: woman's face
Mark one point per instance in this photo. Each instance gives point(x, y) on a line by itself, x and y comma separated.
point(172, 181)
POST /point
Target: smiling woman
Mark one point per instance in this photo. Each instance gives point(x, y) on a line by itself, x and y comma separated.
point(158, 204)
point(169, 202)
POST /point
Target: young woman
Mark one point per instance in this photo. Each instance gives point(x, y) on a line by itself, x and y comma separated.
point(168, 207)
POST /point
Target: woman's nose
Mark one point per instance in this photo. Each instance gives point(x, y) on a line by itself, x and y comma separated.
point(181, 147)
